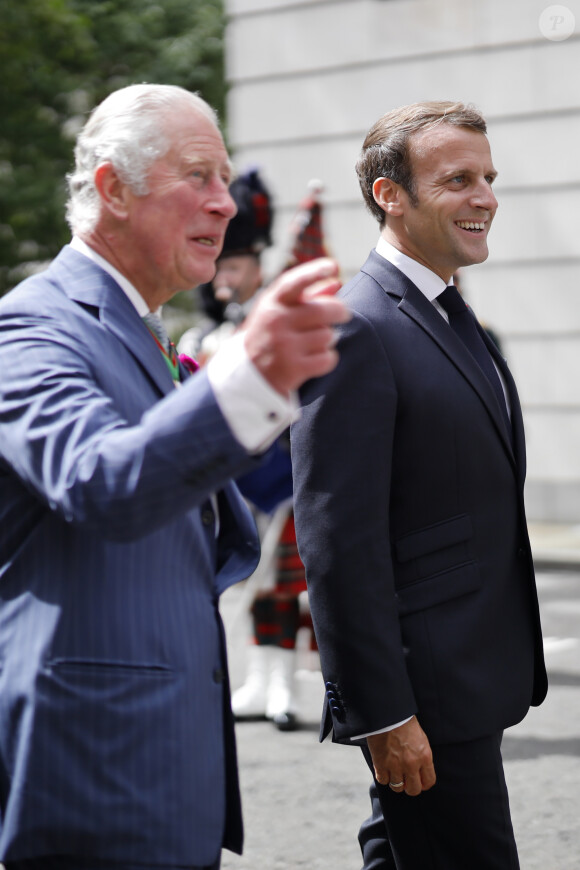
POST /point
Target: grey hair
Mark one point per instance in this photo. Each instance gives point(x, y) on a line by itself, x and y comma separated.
point(126, 130)
point(385, 151)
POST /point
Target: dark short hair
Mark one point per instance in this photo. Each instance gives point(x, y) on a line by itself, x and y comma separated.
point(385, 151)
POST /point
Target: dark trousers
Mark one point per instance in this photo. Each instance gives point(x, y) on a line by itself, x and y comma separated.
point(462, 822)
point(68, 862)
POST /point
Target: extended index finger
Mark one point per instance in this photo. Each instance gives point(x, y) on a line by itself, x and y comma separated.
point(290, 286)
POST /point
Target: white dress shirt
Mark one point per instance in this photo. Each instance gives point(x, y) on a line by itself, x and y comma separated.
point(430, 285)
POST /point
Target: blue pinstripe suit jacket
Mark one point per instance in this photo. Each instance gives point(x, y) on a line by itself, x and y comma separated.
point(116, 737)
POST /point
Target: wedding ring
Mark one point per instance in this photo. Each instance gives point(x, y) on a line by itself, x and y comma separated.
point(395, 785)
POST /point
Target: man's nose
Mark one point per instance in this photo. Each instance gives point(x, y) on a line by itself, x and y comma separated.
point(231, 206)
point(222, 200)
point(484, 197)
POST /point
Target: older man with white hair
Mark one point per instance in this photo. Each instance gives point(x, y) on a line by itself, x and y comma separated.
point(120, 526)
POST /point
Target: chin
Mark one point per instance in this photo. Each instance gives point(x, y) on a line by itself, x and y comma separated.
point(203, 276)
point(475, 257)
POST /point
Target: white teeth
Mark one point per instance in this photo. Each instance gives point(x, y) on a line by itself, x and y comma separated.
point(470, 225)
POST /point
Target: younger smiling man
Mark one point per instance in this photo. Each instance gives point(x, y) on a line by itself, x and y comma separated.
point(409, 463)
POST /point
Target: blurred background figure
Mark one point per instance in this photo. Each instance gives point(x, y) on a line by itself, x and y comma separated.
point(276, 594)
point(306, 232)
point(226, 301)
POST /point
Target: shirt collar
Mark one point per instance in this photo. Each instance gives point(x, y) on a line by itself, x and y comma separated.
point(430, 284)
point(125, 285)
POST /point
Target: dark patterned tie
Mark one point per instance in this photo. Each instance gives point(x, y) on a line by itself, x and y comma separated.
point(463, 323)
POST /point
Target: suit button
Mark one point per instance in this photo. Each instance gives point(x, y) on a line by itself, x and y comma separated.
point(522, 552)
point(207, 517)
point(218, 675)
point(338, 713)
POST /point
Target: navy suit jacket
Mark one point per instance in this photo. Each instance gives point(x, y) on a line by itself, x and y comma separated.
point(116, 736)
point(410, 521)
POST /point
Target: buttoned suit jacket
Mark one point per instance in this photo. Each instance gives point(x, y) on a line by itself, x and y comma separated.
point(411, 524)
point(116, 735)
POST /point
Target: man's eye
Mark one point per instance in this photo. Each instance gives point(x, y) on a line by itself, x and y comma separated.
point(199, 174)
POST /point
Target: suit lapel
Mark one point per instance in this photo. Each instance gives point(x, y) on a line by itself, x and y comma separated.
point(414, 304)
point(85, 282)
point(128, 327)
point(517, 420)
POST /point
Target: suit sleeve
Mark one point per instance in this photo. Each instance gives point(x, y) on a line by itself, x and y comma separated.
point(70, 444)
point(342, 454)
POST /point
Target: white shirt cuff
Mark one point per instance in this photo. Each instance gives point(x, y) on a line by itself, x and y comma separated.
point(382, 730)
point(255, 412)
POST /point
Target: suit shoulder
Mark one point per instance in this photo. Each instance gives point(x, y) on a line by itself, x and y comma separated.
point(33, 294)
point(364, 295)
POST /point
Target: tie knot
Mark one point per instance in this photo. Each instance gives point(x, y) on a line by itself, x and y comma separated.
point(157, 327)
point(451, 300)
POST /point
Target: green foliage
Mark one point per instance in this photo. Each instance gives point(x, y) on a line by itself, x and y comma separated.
point(58, 59)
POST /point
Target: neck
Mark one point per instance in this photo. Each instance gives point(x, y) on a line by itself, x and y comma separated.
point(390, 236)
point(111, 249)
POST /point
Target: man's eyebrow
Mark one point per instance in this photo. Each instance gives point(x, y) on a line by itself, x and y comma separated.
point(465, 170)
point(193, 158)
point(202, 160)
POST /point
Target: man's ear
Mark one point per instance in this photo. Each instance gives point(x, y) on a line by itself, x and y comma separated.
point(114, 193)
point(387, 195)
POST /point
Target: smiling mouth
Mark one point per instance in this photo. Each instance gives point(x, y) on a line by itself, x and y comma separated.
point(471, 226)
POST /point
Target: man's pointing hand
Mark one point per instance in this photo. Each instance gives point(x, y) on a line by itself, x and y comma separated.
point(289, 334)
